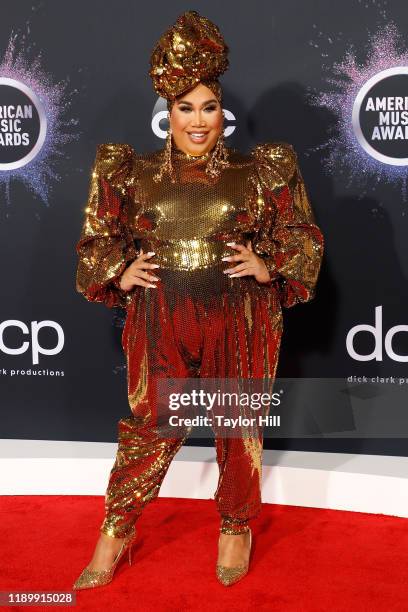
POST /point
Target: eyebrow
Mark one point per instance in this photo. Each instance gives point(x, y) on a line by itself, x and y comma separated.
point(203, 104)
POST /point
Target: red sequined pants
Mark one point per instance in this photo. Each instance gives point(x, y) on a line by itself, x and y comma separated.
point(184, 335)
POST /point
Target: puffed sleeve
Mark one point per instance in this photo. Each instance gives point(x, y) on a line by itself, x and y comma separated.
point(106, 246)
point(286, 234)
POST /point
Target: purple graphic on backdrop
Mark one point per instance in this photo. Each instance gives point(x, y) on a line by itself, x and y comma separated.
point(369, 140)
point(34, 128)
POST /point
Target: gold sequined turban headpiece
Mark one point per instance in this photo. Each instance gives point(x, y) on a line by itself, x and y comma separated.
point(192, 50)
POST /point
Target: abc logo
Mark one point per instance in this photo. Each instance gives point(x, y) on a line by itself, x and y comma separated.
point(159, 117)
point(33, 340)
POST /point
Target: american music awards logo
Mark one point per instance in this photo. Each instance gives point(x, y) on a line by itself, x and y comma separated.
point(369, 101)
point(23, 124)
point(33, 125)
point(380, 116)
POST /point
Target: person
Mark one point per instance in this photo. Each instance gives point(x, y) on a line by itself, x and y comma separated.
point(225, 241)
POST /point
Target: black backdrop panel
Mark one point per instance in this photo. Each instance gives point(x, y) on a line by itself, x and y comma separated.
point(99, 52)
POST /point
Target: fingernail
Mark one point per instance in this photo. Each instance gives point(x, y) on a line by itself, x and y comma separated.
point(230, 243)
point(225, 259)
point(154, 286)
point(155, 278)
point(151, 253)
point(232, 275)
point(155, 265)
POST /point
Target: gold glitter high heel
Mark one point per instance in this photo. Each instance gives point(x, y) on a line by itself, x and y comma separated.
point(231, 575)
point(94, 578)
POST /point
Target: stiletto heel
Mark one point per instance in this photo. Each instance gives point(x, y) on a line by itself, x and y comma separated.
point(231, 575)
point(94, 578)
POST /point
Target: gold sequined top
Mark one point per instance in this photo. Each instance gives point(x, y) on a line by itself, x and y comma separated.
point(260, 197)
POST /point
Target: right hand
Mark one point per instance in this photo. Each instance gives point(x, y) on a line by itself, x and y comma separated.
point(135, 275)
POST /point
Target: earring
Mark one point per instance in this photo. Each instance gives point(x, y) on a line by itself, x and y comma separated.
point(219, 157)
point(166, 166)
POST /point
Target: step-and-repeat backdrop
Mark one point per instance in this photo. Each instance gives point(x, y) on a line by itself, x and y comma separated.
point(333, 83)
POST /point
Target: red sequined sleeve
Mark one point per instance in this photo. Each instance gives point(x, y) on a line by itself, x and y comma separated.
point(106, 246)
point(287, 236)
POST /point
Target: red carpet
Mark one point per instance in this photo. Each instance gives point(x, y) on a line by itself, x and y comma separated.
point(304, 559)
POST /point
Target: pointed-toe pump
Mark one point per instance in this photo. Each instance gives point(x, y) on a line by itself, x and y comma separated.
point(94, 578)
point(230, 575)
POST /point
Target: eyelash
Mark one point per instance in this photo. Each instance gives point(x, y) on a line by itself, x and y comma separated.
point(209, 108)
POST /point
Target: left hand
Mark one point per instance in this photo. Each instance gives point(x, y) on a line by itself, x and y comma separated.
point(252, 264)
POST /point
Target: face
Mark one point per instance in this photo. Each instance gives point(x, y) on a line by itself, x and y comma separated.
point(196, 120)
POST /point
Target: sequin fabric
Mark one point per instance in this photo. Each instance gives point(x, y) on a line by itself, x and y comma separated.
point(198, 321)
point(191, 50)
point(230, 575)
